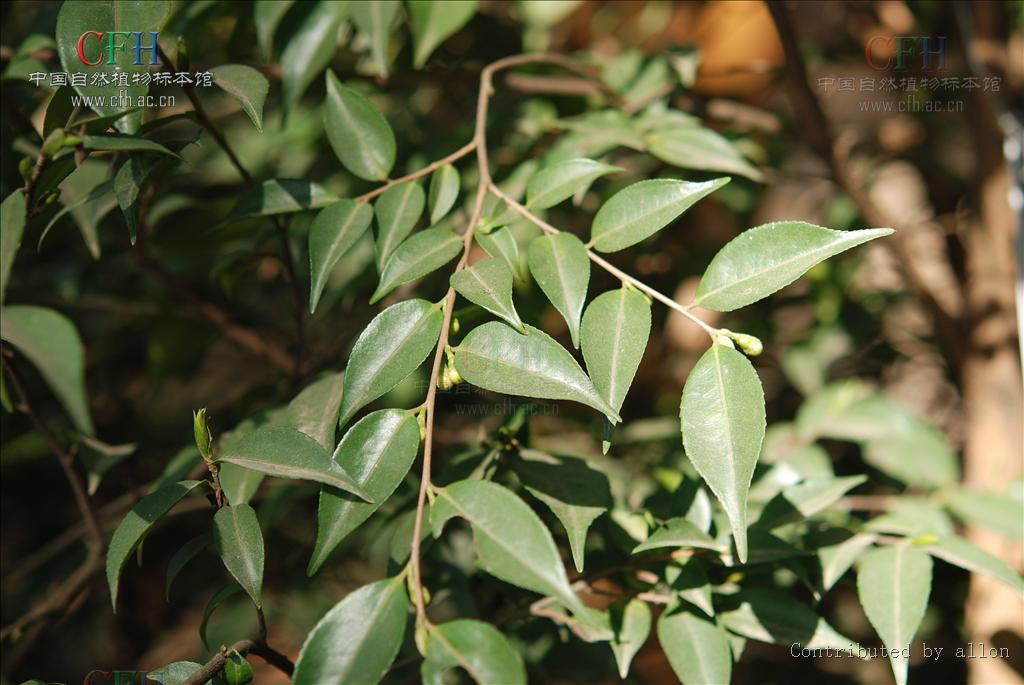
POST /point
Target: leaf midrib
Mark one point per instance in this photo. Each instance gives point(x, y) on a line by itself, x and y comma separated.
point(360, 143)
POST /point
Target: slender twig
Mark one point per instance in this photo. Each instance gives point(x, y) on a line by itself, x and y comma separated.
point(216, 664)
point(604, 264)
point(453, 157)
point(286, 249)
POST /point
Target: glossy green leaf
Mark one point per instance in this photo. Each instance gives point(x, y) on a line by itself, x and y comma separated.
point(280, 196)
point(642, 209)
point(766, 258)
point(398, 209)
point(51, 343)
point(129, 183)
point(267, 15)
point(495, 357)
point(314, 411)
point(186, 553)
point(12, 218)
point(560, 265)
point(574, 492)
point(723, 421)
point(967, 555)
point(79, 16)
point(116, 142)
point(993, 510)
point(357, 640)
point(696, 147)
point(677, 532)
point(375, 19)
point(433, 21)
point(478, 648)
point(136, 524)
point(336, 228)
point(360, 135)
point(176, 673)
point(893, 584)
point(310, 48)
point(616, 326)
point(378, 452)
point(561, 180)
point(775, 617)
point(488, 284)
point(689, 582)
point(247, 85)
point(239, 542)
point(631, 624)
point(287, 453)
point(803, 500)
point(240, 484)
point(389, 349)
point(511, 542)
point(444, 190)
point(696, 647)
point(839, 554)
point(912, 516)
point(87, 197)
point(237, 670)
point(501, 244)
point(418, 256)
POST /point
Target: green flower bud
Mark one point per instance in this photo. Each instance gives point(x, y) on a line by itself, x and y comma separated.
point(237, 670)
point(53, 143)
point(25, 167)
point(204, 440)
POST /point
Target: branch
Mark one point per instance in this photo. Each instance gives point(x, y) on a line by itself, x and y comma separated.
point(455, 156)
point(604, 264)
point(216, 664)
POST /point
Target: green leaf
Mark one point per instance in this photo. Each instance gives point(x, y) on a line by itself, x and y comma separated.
point(631, 624)
point(574, 492)
point(176, 673)
point(614, 335)
point(375, 19)
point(697, 648)
point(360, 135)
point(967, 555)
point(246, 85)
point(723, 422)
point(239, 542)
point(478, 648)
point(642, 209)
point(397, 210)
point(421, 254)
point(677, 532)
point(239, 483)
point(444, 190)
point(488, 284)
point(136, 524)
point(12, 218)
point(49, 340)
point(185, 554)
point(803, 500)
point(993, 510)
point(280, 196)
point(495, 357)
point(389, 349)
point(837, 556)
point(689, 582)
point(310, 48)
point(128, 185)
point(116, 142)
point(560, 265)
point(357, 640)
point(287, 453)
point(774, 617)
point(267, 15)
point(221, 596)
point(109, 16)
point(561, 180)
point(237, 670)
point(511, 542)
point(378, 452)
point(336, 228)
point(314, 411)
point(433, 21)
point(501, 244)
point(766, 258)
point(893, 584)
point(695, 147)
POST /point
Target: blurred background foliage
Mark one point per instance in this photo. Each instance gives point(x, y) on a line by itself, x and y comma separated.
point(926, 320)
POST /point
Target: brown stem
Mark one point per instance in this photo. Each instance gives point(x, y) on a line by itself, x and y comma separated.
point(216, 664)
point(419, 173)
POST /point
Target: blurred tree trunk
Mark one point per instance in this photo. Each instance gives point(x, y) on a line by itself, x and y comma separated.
point(991, 373)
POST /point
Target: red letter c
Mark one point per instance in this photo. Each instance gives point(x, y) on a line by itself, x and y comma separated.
point(868, 51)
point(81, 47)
